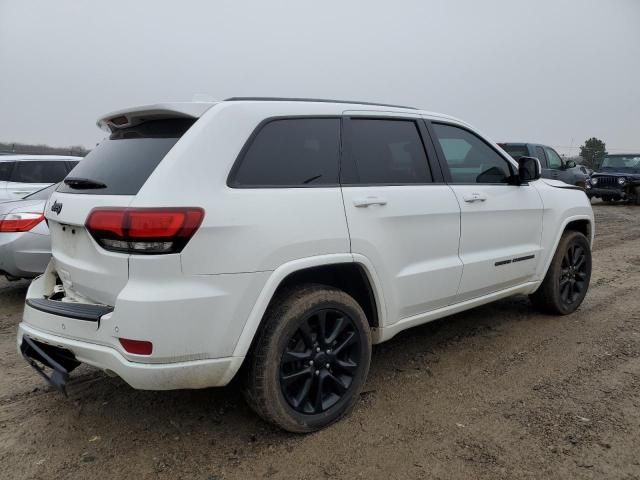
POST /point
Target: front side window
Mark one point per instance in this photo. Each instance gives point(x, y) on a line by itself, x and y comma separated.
point(469, 158)
point(384, 152)
point(5, 171)
point(291, 152)
point(554, 159)
point(39, 172)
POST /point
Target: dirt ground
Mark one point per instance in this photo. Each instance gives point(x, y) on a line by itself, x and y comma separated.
point(496, 392)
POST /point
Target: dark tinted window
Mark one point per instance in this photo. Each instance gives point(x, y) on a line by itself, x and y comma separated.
point(469, 158)
point(127, 158)
point(542, 157)
point(5, 170)
point(71, 165)
point(292, 152)
point(516, 150)
point(39, 171)
point(384, 152)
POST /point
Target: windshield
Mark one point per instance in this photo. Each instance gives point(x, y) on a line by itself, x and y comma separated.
point(43, 193)
point(622, 162)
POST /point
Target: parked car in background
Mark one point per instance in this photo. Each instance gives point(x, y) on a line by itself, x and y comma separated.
point(21, 175)
point(288, 236)
point(553, 166)
point(618, 178)
point(25, 244)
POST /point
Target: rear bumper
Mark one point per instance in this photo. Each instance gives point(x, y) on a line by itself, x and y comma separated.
point(193, 322)
point(169, 376)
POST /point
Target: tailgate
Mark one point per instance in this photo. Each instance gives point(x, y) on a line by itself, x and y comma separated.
point(83, 266)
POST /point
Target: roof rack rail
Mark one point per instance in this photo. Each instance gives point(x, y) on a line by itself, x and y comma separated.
point(321, 100)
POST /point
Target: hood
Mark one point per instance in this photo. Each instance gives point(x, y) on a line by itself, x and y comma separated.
point(613, 173)
point(554, 183)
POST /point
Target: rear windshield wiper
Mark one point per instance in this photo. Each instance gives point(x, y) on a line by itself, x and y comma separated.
point(309, 180)
point(83, 183)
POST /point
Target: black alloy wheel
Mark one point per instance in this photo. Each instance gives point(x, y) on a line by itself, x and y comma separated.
point(573, 276)
point(319, 363)
point(310, 358)
point(566, 282)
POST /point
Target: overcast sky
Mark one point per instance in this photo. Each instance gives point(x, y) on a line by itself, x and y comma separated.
point(549, 71)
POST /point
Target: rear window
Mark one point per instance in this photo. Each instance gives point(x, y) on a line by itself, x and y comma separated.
point(5, 171)
point(121, 164)
point(42, 194)
point(293, 152)
point(39, 171)
point(516, 151)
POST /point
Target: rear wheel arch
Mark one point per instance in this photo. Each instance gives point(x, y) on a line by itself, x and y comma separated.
point(340, 271)
point(350, 277)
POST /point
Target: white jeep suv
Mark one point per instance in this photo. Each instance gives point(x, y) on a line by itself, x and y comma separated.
point(281, 238)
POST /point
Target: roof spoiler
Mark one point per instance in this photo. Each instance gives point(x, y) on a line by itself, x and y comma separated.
point(130, 117)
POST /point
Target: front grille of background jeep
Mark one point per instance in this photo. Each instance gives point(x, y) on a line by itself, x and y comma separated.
point(607, 181)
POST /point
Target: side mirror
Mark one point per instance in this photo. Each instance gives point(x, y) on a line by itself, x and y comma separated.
point(529, 169)
point(569, 164)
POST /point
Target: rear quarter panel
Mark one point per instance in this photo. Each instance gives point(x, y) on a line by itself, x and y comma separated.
point(250, 229)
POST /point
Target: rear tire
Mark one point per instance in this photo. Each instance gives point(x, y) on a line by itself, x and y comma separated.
point(310, 360)
point(567, 280)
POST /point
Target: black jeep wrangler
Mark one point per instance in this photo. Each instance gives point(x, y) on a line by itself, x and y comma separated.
point(618, 178)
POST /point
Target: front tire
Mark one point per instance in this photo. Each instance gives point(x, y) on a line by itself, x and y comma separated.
point(567, 280)
point(310, 360)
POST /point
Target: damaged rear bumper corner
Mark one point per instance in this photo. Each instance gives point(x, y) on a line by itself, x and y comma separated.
point(141, 376)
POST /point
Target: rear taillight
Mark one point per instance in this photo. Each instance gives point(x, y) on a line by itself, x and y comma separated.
point(144, 230)
point(20, 222)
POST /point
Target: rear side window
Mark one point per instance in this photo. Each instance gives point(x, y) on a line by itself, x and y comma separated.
point(541, 156)
point(5, 171)
point(121, 164)
point(515, 150)
point(292, 152)
point(384, 152)
point(39, 172)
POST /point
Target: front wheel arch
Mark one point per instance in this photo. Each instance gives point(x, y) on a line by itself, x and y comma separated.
point(567, 279)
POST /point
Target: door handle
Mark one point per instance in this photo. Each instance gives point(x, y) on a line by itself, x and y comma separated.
point(475, 197)
point(365, 202)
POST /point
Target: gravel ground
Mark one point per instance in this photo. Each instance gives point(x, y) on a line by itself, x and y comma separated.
point(496, 392)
